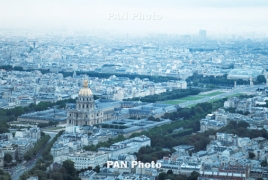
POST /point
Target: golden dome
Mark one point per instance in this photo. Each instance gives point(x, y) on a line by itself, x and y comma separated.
point(85, 91)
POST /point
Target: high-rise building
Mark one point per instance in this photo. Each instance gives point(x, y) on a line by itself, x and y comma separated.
point(202, 34)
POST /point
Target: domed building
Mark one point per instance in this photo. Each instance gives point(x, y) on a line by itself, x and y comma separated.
point(85, 112)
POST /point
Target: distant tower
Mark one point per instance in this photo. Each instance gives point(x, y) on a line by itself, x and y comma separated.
point(202, 34)
point(74, 74)
point(250, 82)
point(235, 84)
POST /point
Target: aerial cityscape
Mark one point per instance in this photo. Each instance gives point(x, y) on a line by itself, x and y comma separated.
point(140, 90)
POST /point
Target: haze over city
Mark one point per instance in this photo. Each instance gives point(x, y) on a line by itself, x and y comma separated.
point(177, 17)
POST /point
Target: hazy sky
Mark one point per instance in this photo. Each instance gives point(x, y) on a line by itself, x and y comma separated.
point(171, 16)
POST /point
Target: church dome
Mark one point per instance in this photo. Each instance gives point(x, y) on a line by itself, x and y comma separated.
point(85, 91)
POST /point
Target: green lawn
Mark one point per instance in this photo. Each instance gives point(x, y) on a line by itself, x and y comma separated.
point(197, 97)
point(171, 102)
point(188, 98)
point(213, 93)
point(53, 128)
point(192, 98)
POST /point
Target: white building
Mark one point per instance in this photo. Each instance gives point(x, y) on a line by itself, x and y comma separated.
point(84, 159)
point(128, 146)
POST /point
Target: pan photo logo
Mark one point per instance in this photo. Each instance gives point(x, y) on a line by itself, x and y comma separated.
point(134, 16)
point(133, 164)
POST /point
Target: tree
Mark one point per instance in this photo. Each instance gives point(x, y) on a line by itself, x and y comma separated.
point(40, 174)
point(1, 172)
point(69, 166)
point(3, 127)
point(243, 124)
point(251, 155)
point(261, 79)
point(169, 172)
point(8, 158)
point(194, 176)
point(17, 111)
point(162, 176)
point(264, 163)
point(4, 175)
point(97, 169)
point(56, 175)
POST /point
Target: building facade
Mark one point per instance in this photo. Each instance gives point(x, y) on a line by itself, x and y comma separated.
point(85, 113)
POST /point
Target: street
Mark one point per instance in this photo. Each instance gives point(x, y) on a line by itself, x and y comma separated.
point(30, 164)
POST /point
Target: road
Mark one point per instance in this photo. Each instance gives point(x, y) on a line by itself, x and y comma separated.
point(30, 164)
point(239, 89)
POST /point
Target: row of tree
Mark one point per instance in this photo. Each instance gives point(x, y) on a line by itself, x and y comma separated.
point(169, 95)
point(114, 126)
point(19, 68)
point(37, 147)
point(50, 123)
point(4, 175)
point(171, 135)
point(66, 172)
point(17, 111)
point(11, 68)
point(7, 115)
point(41, 165)
point(3, 126)
point(169, 175)
point(104, 144)
point(197, 79)
point(46, 153)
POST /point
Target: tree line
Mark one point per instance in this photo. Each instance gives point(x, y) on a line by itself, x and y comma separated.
point(169, 95)
point(41, 166)
point(66, 172)
point(104, 144)
point(169, 175)
point(4, 175)
point(198, 79)
point(7, 115)
point(46, 153)
point(30, 154)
